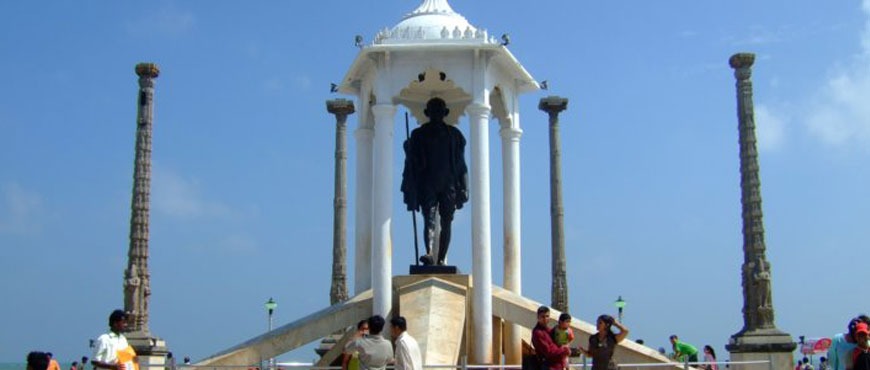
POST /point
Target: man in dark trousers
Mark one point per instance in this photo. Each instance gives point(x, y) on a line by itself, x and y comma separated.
point(435, 178)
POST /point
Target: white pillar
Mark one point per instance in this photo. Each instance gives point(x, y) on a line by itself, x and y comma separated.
point(481, 270)
point(510, 148)
point(382, 210)
point(362, 275)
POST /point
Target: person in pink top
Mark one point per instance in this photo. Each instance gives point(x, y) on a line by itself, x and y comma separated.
point(710, 356)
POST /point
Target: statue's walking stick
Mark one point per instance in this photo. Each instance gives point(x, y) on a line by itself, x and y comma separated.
point(413, 211)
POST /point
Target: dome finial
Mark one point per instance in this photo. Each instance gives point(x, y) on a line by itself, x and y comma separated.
point(429, 22)
point(432, 7)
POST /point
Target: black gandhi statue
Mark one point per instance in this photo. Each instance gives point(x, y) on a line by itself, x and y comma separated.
point(435, 178)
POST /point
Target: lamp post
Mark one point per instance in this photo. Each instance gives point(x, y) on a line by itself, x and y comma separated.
point(271, 305)
point(620, 304)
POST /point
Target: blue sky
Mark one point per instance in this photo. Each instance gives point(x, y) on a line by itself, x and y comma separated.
point(243, 162)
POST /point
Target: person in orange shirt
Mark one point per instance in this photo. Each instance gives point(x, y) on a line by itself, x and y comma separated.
point(52, 363)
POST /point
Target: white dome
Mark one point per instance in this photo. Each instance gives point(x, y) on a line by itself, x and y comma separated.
point(433, 20)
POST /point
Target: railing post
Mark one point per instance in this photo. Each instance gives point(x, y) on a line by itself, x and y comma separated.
point(686, 362)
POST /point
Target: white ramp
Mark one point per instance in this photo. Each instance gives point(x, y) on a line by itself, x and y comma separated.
point(295, 334)
point(523, 311)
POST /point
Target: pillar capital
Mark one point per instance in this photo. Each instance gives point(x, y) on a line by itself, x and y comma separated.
point(387, 109)
point(364, 133)
point(511, 133)
point(741, 60)
point(147, 70)
point(340, 106)
point(478, 109)
point(553, 104)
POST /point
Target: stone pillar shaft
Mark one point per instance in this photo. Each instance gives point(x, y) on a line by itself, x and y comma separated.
point(341, 108)
point(512, 216)
point(383, 208)
point(553, 105)
point(757, 304)
point(510, 135)
point(137, 284)
point(481, 257)
point(363, 209)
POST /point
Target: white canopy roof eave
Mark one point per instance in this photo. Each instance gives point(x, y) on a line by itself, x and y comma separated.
point(350, 83)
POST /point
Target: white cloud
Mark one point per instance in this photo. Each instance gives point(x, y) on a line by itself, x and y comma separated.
point(273, 84)
point(758, 35)
point(769, 128)
point(181, 197)
point(20, 210)
point(840, 114)
point(167, 20)
point(304, 82)
point(238, 244)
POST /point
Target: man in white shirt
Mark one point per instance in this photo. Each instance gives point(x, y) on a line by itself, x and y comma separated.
point(408, 355)
point(112, 351)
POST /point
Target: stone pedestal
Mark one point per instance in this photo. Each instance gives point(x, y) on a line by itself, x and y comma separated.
point(436, 310)
point(763, 345)
point(150, 351)
point(778, 355)
point(433, 270)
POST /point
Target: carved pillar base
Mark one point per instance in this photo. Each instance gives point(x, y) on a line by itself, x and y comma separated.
point(763, 345)
point(150, 350)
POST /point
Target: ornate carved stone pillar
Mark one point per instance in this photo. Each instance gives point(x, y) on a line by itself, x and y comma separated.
point(137, 284)
point(759, 338)
point(553, 105)
point(341, 108)
point(137, 278)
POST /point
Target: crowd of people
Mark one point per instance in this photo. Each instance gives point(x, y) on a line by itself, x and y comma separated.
point(111, 351)
point(849, 350)
point(553, 344)
point(369, 350)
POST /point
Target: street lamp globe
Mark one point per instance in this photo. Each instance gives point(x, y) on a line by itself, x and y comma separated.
point(620, 304)
point(271, 305)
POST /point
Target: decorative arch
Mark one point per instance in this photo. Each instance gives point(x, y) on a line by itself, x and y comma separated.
point(429, 84)
point(498, 105)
